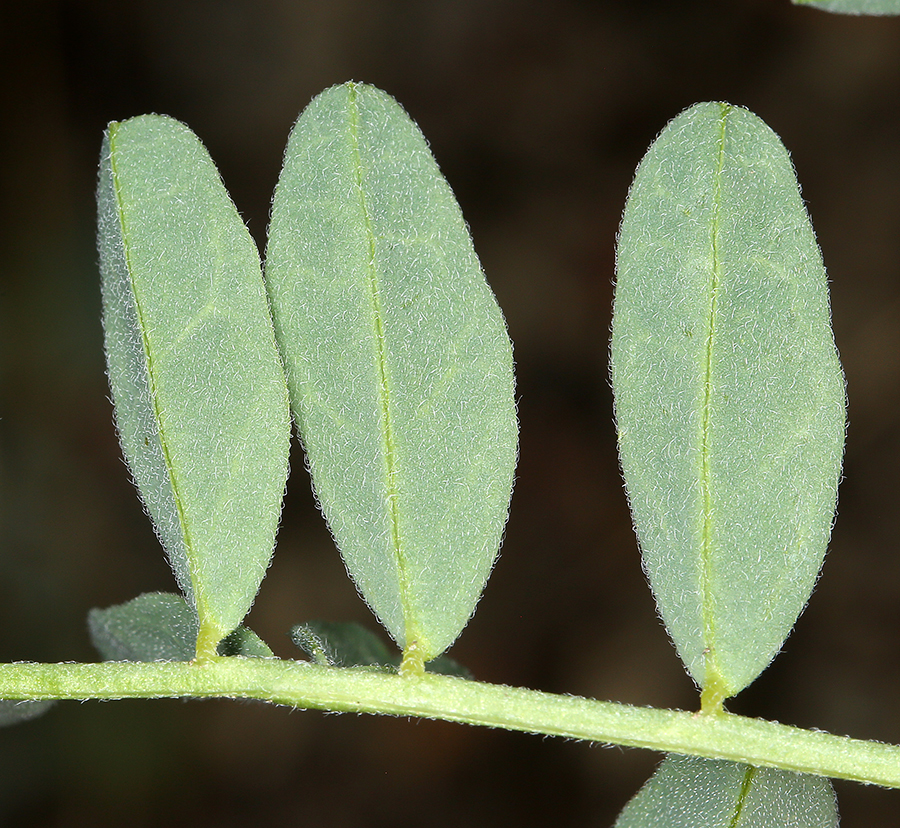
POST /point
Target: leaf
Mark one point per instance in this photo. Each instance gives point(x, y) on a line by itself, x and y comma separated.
point(155, 626)
point(398, 363)
point(200, 396)
point(341, 644)
point(244, 643)
point(878, 7)
point(13, 711)
point(689, 792)
point(348, 644)
point(728, 391)
point(160, 626)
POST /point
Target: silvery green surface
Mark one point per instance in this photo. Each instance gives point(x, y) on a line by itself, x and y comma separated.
point(398, 362)
point(729, 395)
point(689, 792)
point(160, 626)
point(200, 397)
point(155, 626)
point(854, 6)
point(245, 643)
point(13, 711)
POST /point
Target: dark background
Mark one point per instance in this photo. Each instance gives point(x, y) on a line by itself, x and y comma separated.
point(538, 114)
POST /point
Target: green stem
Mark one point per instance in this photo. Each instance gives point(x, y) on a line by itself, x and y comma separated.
point(304, 685)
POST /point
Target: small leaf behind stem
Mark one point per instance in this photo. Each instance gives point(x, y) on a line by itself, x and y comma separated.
point(161, 626)
point(398, 363)
point(728, 391)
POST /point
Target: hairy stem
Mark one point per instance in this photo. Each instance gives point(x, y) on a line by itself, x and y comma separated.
point(304, 685)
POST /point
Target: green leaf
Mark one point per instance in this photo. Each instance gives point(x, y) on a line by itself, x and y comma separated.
point(13, 711)
point(155, 626)
point(200, 396)
point(244, 643)
point(160, 626)
point(342, 644)
point(689, 792)
point(729, 394)
point(878, 7)
point(398, 363)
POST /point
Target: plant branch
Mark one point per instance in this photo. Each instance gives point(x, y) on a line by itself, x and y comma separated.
point(303, 685)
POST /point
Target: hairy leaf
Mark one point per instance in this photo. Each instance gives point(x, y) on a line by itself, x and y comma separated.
point(200, 396)
point(689, 792)
point(729, 394)
point(398, 363)
point(342, 644)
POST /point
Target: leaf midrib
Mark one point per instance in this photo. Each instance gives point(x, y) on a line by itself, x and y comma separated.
point(149, 355)
point(713, 681)
point(743, 795)
point(384, 391)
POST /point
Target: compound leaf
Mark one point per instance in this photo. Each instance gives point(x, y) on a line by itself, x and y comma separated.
point(398, 363)
point(728, 391)
point(689, 792)
point(199, 392)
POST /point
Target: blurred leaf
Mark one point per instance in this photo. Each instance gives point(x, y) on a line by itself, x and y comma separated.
point(398, 362)
point(689, 792)
point(729, 393)
point(160, 626)
point(854, 6)
point(201, 401)
point(348, 644)
point(13, 711)
point(445, 666)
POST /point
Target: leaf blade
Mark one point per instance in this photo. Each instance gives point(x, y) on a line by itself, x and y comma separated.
point(729, 393)
point(199, 392)
point(398, 362)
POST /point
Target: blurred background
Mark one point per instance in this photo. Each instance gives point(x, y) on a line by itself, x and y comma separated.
point(538, 114)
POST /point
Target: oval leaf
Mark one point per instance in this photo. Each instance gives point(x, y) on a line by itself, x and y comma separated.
point(728, 391)
point(689, 792)
point(200, 396)
point(398, 363)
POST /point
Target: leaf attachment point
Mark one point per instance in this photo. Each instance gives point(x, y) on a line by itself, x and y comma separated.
point(161, 626)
